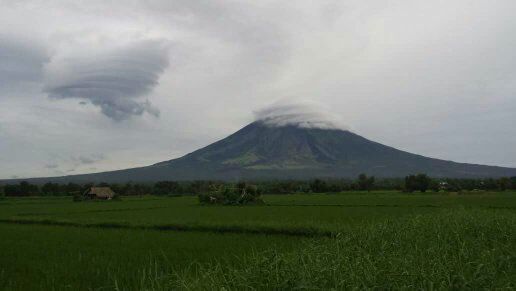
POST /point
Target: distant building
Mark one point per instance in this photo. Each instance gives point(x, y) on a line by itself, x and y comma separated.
point(104, 193)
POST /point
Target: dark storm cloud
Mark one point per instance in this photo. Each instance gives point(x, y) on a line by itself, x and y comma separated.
point(20, 61)
point(115, 80)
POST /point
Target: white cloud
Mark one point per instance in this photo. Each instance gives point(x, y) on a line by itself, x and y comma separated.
point(304, 114)
point(115, 80)
point(431, 77)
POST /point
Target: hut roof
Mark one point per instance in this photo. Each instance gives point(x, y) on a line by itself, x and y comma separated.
point(102, 192)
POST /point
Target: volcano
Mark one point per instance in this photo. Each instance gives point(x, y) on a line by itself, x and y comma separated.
point(263, 151)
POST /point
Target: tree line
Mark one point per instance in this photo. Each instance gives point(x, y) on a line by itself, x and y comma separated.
point(411, 183)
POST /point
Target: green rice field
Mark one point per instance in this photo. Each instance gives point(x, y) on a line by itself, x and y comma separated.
point(378, 240)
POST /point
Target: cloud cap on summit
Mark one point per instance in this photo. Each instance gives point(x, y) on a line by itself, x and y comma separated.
point(304, 114)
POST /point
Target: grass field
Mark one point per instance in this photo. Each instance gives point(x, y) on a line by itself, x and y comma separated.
point(384, 240)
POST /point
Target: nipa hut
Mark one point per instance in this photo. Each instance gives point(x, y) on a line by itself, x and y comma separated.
point(104, 193)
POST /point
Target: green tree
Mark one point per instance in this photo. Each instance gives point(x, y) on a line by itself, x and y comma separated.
point(49, 189)
point(419, 182)
point(318, 186)
point(239, 194)
point(434, 185)
point(166, 188)
point(411, 183)
point(72, 189)
point(504, 183)
point(513, 183)
point(27, 189)
point(365, 183)
point(423, 182)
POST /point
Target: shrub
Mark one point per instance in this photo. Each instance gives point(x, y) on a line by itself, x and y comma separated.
point(419, 182)
point(240, 194)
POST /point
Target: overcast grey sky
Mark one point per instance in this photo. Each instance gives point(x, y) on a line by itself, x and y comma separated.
point(90, 86)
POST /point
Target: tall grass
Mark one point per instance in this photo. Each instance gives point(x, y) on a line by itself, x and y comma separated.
point(454, 250)
point(355, 241)
point(41, 257)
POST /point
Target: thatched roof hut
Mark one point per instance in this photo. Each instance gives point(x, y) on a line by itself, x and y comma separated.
point(99, 193)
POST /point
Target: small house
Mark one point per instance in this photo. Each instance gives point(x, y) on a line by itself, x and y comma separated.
point(104, 193)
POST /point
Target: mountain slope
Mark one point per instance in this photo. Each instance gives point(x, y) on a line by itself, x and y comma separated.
point(259, 151)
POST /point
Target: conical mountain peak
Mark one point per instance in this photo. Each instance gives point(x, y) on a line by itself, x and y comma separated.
point(292, 151)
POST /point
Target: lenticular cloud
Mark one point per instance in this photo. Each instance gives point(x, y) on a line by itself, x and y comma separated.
point(303, 114)
point(115, 80)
